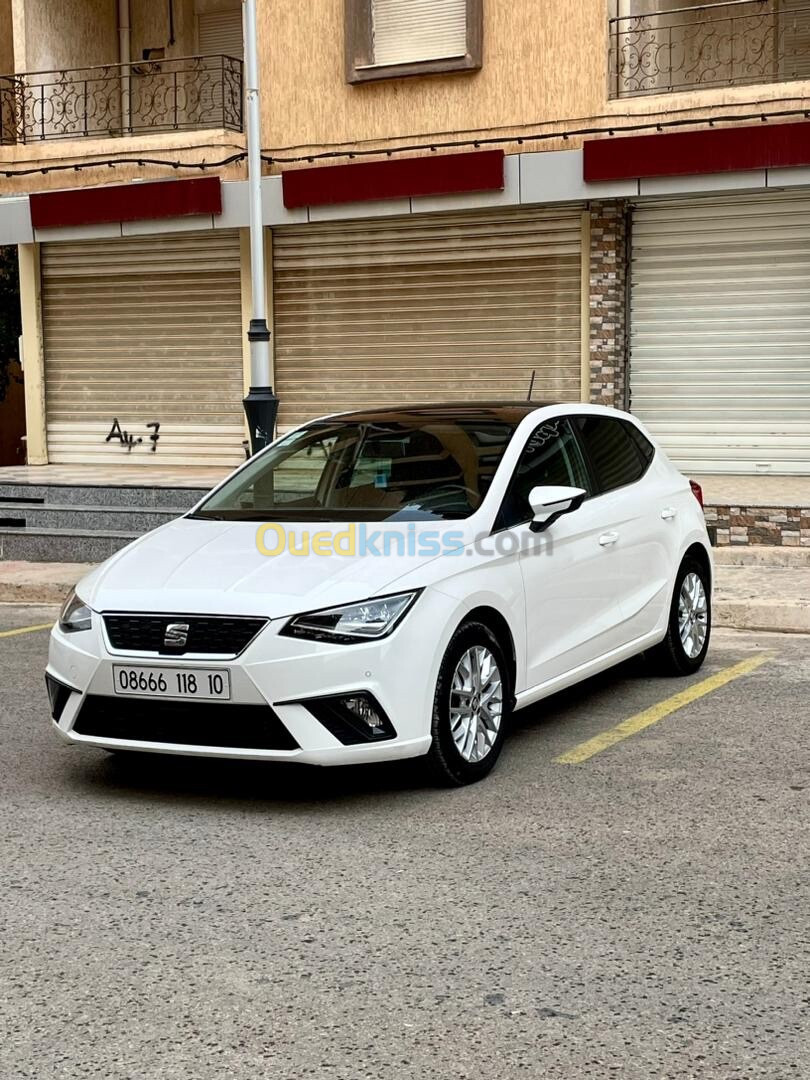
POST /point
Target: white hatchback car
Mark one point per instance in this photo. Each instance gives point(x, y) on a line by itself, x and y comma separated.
point(390, 584)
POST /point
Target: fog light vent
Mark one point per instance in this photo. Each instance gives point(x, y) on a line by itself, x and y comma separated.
point(352, 718)
point(58, 695)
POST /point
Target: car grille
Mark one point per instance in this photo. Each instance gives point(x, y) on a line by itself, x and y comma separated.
point(223, 635)
point(187, 723)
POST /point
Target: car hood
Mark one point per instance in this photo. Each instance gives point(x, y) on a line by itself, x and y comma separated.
point(198, 567)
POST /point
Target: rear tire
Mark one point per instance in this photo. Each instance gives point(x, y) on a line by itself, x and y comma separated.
point(471, 707)
point(684, 649)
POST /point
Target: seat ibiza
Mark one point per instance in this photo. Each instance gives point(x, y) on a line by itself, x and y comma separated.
point(390, 583)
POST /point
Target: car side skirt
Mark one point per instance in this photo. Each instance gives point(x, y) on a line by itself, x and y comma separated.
point(585, 671)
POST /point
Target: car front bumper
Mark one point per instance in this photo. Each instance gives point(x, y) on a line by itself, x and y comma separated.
point(399, 672)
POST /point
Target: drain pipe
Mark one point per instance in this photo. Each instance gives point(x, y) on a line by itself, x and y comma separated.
point(125, 56)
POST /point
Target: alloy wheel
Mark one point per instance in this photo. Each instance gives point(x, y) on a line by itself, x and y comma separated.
point(693, 615)
point(476, 703)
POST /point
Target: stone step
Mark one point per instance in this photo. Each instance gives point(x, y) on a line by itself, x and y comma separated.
point(92, 518)
point(100, 495)
point(61, 545)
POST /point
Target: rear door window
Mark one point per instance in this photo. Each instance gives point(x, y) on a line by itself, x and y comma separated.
point(614, 457)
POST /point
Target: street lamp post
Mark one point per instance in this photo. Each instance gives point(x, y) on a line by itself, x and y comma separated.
point(261, 404)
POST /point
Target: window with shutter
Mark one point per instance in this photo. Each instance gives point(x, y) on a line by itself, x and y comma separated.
point(409, 31)
point(793, 39)
point(220, 33)
point(395, 38)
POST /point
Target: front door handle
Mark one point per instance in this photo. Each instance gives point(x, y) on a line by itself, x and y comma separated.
point(668, 513)
point(608, 538)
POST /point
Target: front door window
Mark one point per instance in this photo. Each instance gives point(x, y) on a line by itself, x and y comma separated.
point(551, 458)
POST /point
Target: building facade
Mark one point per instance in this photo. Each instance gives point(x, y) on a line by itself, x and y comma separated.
point(605, 201)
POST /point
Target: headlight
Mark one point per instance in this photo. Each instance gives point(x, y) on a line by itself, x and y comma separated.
point(353, 622)
point(75, 614)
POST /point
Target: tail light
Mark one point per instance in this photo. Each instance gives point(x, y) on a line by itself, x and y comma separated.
point(697, 491)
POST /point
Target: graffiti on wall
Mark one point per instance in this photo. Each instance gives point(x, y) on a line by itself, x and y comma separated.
point(129, 440)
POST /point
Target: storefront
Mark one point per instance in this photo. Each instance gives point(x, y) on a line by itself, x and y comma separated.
point(718, 282)
point(142, 343)
point(430, 307)
point(720, 331)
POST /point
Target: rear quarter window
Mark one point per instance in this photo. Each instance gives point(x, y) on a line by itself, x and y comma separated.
point(643, 444)
point(614, 454)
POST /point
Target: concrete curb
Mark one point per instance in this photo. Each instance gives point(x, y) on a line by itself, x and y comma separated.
point(787, 558)
point(744, 615)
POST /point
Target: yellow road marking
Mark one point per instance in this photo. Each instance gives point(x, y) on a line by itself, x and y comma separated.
point(25, 630)
point(650, 716)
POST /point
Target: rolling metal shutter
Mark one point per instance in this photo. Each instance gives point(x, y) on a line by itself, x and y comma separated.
point(425, 308)
point(792, 38)
point(144, 329)
point(720, 331)
point(408, 31)
point(220, 33)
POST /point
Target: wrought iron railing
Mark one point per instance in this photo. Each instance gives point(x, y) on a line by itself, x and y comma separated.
point(709, 44)
point(9, 101)
point(123, 99)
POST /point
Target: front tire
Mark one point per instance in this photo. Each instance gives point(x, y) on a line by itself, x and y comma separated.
point(471, 707)
point(684, 649)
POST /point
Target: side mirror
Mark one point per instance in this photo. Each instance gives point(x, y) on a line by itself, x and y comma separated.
point(550, 503)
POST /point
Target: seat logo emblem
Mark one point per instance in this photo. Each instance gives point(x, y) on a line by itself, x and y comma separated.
point(175, 635)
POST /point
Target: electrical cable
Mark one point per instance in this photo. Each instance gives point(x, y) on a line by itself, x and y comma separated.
point(433, 146)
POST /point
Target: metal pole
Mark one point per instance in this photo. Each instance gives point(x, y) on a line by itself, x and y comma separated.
point(261, 404)
point(124, 57)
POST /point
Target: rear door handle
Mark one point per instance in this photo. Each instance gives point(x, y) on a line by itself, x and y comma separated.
point(668, 513)
point(608, 538)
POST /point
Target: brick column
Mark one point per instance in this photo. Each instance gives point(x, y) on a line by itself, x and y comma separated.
point(608, 276)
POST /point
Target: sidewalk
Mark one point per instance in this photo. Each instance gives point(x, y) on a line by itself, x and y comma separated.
point(756, 588)
point(39, 582)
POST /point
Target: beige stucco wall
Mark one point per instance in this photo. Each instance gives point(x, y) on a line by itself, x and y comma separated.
point(173, 146)
point(81, 33)
point(150, 27)
point(545, 67)
point(67, 34)
point(76, 33)
point(545, 70)
point(18, 31)
point(6, 38)
point(540, 60)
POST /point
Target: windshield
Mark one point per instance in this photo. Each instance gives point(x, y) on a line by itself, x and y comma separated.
point(411, 469)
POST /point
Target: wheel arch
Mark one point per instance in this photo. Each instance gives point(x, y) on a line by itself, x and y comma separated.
point(499, 626)
point(698, 552)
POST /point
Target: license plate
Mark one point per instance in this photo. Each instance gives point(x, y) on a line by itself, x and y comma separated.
point(203, 684)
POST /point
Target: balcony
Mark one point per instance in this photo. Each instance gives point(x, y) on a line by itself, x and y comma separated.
point(113, 100)
point(708, 45)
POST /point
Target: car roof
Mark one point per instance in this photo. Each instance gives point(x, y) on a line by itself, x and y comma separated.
point(508, 411)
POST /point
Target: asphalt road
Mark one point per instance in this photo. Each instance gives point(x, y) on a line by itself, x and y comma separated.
point(643, 914)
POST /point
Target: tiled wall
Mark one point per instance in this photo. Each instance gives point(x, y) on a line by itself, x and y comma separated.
point(607, 301)
point(779, 526)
